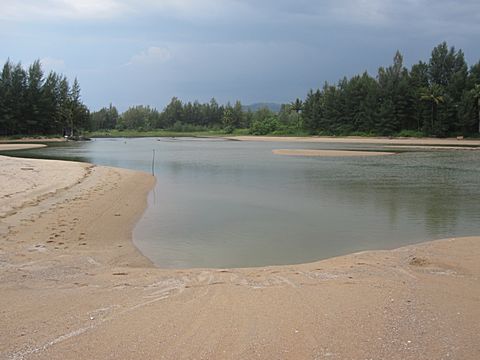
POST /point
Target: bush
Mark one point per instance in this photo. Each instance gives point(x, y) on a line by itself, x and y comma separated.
point(264, 126)
point(228, 129)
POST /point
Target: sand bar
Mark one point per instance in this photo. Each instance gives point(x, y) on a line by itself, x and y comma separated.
point(14, 146)
point(328, 153)
point(74, 287)
point(26, 140)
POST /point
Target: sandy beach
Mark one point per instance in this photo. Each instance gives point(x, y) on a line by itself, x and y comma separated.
point(73, 286)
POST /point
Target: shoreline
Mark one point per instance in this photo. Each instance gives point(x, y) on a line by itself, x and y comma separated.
point(74, 286)
point(400, 141)
point(360, 140)
point(14, 146)
point(328, 153)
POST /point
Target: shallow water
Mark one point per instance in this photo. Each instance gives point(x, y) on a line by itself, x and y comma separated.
point(230, 204)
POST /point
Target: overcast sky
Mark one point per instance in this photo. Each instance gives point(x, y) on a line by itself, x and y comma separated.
point(131, 52)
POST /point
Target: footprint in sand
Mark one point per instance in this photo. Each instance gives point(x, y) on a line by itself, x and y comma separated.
point(418, 261)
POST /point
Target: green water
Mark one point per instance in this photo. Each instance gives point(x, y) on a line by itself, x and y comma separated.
point(234, 204)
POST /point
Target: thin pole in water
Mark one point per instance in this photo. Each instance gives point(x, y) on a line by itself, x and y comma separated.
point(153, 163)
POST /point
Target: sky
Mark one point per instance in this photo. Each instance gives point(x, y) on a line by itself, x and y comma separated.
point(144, 52)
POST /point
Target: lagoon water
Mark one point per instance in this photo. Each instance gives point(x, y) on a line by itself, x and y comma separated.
point(220, 203)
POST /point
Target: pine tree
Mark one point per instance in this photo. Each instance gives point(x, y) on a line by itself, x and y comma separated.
point(6, 100)
point(34, 95)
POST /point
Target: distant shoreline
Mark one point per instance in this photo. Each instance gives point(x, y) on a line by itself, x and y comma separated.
point(426, 141)
point(328, 153)
point(362, 140)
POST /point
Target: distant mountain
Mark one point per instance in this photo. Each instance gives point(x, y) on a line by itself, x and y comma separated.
point(257, 106)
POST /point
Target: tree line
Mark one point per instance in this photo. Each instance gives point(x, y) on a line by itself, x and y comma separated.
point(436, 98)
point(34, 104)
point(176, 116)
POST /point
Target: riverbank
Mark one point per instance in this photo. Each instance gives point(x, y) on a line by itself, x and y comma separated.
point(30, 140)
point(73, 286)
point(362, 140)
point(328, 153)
point(420, 142)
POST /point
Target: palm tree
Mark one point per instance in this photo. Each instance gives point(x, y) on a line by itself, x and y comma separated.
point(476, 95)
point(434, 95)
point(297, 105)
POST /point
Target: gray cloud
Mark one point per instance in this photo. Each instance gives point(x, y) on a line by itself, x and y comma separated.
point(251, 50)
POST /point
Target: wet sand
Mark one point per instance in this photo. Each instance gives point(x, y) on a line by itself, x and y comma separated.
point(73, 286)
point(328, 153)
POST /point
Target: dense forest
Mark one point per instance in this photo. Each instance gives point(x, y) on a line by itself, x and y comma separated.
point(438, 98)
point(32, 104)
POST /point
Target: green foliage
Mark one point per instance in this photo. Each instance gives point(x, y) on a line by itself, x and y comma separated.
point(434, 94)
point(139, 117)
point(312, 112)
point(264, 126)
point(410, 134)
point(240, 132)
point(430, 99)
point(264, 122)
point(297, 105)
point(31, 103)
point(158, 133)
point(227, 119)
point(105, 118)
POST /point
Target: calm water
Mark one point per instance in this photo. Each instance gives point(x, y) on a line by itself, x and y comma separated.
point(230, 204)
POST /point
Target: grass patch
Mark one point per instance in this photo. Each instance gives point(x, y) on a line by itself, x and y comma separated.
point(410, 134)
point(152, 133)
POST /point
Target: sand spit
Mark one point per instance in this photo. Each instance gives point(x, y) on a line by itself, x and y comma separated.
point(328, 153)
point(362, 140)
point(73, 287)
point(14, 146)
point(27, 140)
